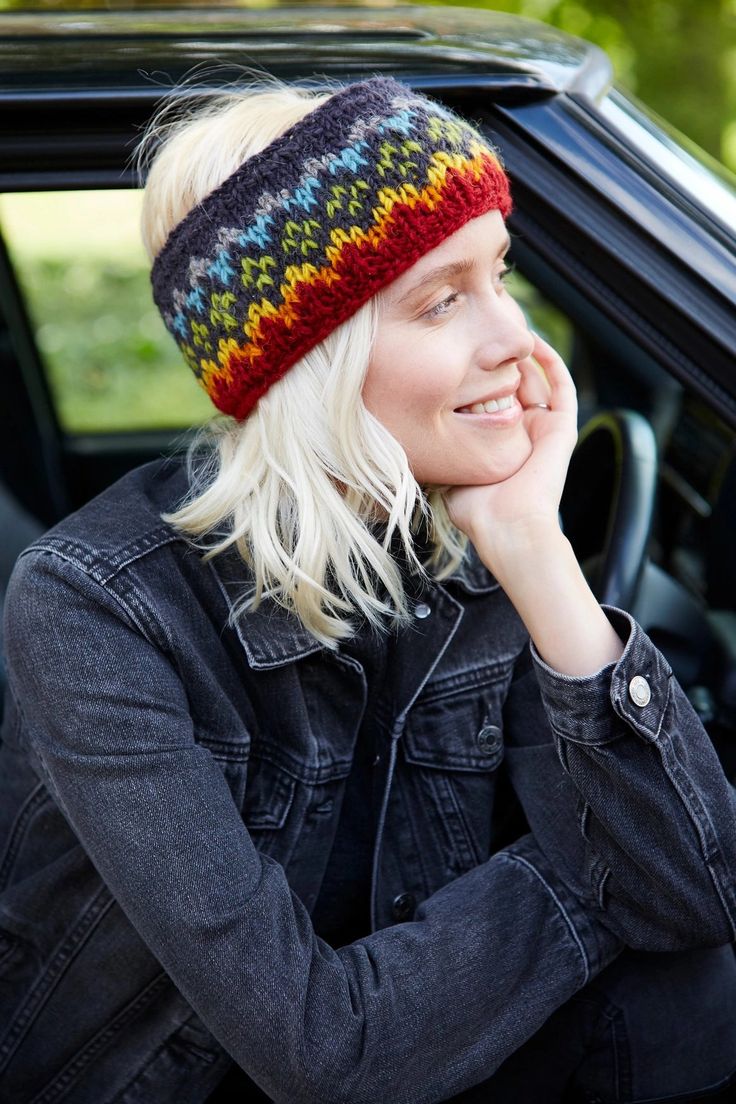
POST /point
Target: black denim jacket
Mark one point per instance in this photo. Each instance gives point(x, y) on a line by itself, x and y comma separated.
point(169, 794)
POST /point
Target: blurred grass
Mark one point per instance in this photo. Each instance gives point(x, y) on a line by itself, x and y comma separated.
point(84, 276)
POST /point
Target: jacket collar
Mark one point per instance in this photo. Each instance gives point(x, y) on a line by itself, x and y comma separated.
point(272, 637)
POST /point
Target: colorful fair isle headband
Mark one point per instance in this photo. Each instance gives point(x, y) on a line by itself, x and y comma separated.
point(305, 232)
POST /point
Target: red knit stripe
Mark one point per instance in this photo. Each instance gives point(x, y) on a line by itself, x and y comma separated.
point(364, 269)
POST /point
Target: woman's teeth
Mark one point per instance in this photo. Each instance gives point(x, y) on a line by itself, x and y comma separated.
point(489, 407)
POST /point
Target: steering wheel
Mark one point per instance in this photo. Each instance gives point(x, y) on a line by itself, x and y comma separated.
point(608, 502)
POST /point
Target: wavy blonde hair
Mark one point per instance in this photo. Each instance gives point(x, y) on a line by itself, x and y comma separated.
point(311, 489)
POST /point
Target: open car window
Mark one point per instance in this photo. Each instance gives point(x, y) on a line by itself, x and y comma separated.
point(110, 363)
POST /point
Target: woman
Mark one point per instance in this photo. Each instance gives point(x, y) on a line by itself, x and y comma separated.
point(257, 808)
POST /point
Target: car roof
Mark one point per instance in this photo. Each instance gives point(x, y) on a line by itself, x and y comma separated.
point(44, 52)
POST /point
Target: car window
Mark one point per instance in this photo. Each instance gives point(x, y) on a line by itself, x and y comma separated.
point(83, 273)
point(110, 362)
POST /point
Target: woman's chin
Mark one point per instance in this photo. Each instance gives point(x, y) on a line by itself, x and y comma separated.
point(475, 468)
point(501, 467)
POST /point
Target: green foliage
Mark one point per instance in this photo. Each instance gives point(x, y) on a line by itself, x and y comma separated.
point(111, 364)
point(678, 56)
point(84, 275)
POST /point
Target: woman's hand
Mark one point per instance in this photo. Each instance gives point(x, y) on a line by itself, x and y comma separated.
point(515, 528)
point(498, 516)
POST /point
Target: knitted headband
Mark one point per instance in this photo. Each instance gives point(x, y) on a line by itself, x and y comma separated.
point(306, 231)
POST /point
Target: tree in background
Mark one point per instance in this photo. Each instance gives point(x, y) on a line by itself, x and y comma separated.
point(678, 56)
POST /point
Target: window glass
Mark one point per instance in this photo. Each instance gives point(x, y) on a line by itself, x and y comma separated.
point(689, 168)
point(542, 316)
point(84, 274)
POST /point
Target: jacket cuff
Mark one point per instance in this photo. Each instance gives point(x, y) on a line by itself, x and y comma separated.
point(636, 688)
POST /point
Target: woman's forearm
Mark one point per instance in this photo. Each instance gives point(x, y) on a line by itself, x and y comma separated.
point(538, 570)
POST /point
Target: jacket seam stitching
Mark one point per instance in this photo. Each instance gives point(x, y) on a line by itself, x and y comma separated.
point(576, 938)
point(112, 592)
point(64, 954)
point(74, 553)
point(34, 801)
point(65, 1078)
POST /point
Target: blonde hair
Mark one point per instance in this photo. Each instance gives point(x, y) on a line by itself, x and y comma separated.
point(301, 486)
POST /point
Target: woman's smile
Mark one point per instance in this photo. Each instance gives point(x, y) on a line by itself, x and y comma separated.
point(495, 412)
point(502, 408)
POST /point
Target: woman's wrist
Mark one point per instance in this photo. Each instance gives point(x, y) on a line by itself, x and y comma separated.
point(536, 566)
point(511, 551)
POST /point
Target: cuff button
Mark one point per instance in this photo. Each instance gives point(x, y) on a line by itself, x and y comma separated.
point(639, 691)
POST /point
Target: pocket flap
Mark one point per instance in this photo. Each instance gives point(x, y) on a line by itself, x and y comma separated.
point(268, 796)
point(458, 730)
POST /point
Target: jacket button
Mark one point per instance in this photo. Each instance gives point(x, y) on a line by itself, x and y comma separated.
point(422, 610)
point(403, 906)
point(639, 691)
point(488, 738)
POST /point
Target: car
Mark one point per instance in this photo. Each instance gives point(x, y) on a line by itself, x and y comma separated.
point(623, 241)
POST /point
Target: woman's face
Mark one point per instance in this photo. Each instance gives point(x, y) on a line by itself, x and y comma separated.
point(451, 338)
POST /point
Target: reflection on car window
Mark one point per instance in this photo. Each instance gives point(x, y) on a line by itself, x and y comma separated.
point(84, 275)
point(689, 168)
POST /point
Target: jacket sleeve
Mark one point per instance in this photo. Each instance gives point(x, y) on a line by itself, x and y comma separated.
point(625, 795)
point(413, 1013)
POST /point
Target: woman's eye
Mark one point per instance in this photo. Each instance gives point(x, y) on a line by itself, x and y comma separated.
point(504, 274)
point(442, 307)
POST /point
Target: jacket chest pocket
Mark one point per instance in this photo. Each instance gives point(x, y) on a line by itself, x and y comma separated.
point(452, 749)
point(262, 789)
point(268, 798)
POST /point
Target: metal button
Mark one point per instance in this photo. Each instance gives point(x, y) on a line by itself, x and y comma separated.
point(376, 760)
point(403, 906)
point(488, 738)
point(639, 691)
point(422, 610)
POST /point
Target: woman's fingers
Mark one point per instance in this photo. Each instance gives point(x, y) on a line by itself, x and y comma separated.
point(561, 389)
point(534, 387)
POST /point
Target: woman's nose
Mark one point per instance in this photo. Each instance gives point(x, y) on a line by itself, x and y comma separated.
point(505, 337)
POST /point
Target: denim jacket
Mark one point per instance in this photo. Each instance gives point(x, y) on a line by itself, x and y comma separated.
point(170, 788)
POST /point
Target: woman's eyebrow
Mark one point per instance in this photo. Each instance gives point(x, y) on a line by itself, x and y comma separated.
point(454, 268)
